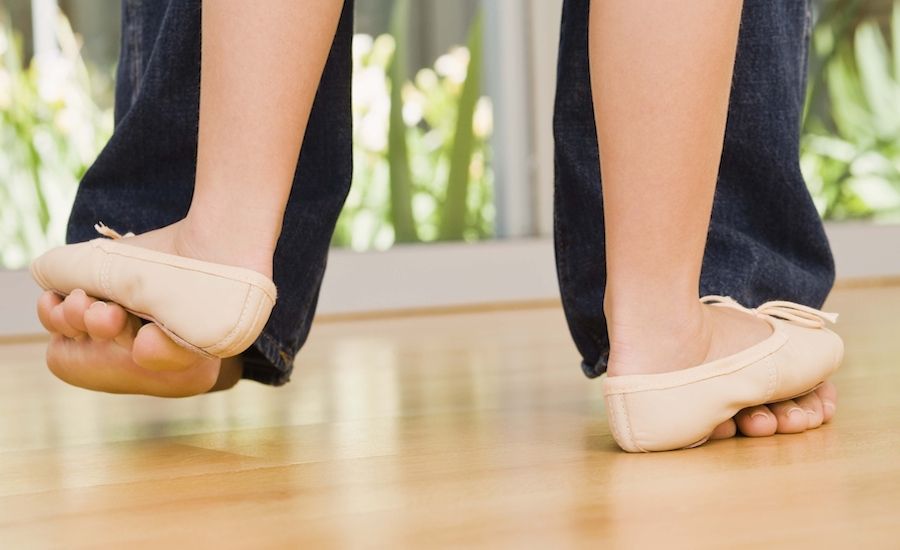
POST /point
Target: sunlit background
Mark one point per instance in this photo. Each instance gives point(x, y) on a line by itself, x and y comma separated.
point(424, 119)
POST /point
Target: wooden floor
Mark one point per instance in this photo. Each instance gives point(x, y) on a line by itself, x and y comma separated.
point(466, 430)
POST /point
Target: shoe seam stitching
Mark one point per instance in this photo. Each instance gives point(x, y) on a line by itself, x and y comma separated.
point(209, 272)
point(256, 315)
point(629, 390)
point(260, 303)
point(638, 388)
point(105, 277)
point(622, 413)
point(222, 344)
point(773, 378)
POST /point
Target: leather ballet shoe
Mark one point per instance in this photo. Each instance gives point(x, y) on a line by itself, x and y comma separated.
point(212, 309)
point(680, 409)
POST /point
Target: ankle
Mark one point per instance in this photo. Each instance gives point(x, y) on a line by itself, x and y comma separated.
point(657, 339)
point(660, 311)
point(245, 224)
point(228, 243)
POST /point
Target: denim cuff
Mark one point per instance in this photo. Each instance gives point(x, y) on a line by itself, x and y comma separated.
point(268, 362)
point(596, 369)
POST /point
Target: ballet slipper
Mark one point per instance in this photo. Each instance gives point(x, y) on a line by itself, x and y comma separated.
point(680, 409)
point(212, 309)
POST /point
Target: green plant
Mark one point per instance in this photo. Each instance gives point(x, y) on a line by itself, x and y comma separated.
point(421, 155)
point(401, 212)
point(453, 219)
point(51, 132)
point(420, 146)
point(850, 149)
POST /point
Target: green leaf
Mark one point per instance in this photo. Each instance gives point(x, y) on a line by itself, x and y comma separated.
point(453, 222)
point(895, 38)
point(398, 153)
point(873, 61)
point(849, 108)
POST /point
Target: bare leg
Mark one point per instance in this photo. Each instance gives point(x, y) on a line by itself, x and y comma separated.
point(260, 70)
point(661, 74)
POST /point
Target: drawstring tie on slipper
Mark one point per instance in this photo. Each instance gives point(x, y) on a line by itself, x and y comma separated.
point(797, 314)
point(110, 232)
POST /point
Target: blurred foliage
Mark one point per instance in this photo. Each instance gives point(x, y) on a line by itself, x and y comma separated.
point(51, 131)
point(850, 149)
point(421, 156)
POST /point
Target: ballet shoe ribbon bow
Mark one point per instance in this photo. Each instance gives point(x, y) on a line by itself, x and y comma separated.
point(110, 232)
point(791, 312)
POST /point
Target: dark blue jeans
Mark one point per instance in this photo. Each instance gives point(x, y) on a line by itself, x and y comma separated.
point(765, 239)
point(144, 177)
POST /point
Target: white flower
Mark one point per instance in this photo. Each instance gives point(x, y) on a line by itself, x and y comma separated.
point(426, 79)
point(453, 65)
point(54, 75)
point(5, 89)
point(373, 131)
point(413, 105)
point(362, 45)
point(483, 120)
point(369, 87)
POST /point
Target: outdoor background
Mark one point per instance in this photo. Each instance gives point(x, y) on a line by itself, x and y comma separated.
point(424, 122)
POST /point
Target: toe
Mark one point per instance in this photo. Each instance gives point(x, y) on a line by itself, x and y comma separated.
point(108, 321)
point(828, 395)
point(791, 417)
point(154, 350)
point(74, 306)
point(812, 405)
point(724, 430)
point(45, 305)
point(757, 421)
point(59, 324)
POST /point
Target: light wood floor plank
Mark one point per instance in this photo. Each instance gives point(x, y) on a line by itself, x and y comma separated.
point(465, 430)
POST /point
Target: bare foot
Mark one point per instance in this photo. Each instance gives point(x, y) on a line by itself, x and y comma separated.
point(99, 346)
point(708, 334)
point(786, 417)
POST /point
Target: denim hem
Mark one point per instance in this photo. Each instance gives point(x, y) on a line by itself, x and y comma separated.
point(268, 362)
point(598, 368)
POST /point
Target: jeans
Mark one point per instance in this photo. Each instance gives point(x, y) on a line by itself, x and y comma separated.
point(765, 239)
point(144, 178)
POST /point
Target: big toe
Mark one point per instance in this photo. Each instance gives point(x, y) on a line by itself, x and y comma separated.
point(154, 350)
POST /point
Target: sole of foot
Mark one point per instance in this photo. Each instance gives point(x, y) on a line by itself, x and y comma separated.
point(99, 346)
